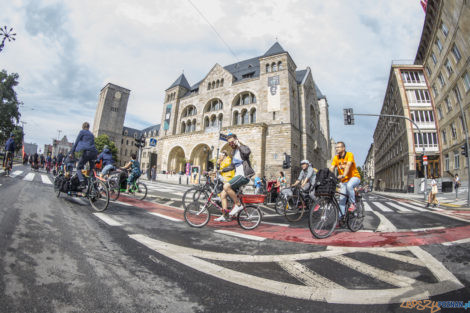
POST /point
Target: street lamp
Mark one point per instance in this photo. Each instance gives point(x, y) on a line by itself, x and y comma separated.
point(7, 35)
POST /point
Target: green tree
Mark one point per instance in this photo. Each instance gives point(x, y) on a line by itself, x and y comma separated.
point(9, 104)
point(361, 172)
point(18, 131)
point(103, 140)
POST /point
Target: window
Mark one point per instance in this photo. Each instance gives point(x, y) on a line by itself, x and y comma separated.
point(245, 98)
point(245, 117)
point(222, 82)
point(253, 116)
point(418, 96)
point(439, 44)
point(235, 118)
point(458, 96)
point(456, 53)
point(127, 142)
point(268, 68)
point(449, 68)
point(444, 136)
point(113, 109)
point(434, 90)
point(466, 81)
point(274, 66)
point(413, 77)
point(446, 162)
point(248, 75)
point(444, 29)
point(454, 131)
point(214, 105)
point(428, 140)
point(217, 84)
point(439, 112)
point(279, 65)
point(448, 104)
point(434, 59)
point(456, 159)
point(441, 79)
point(422, 116)
point(183, 127)
point(428, 70)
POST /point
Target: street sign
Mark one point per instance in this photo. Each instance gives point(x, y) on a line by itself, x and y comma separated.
point(425, 158)
point(153, 142)
point(425, 162)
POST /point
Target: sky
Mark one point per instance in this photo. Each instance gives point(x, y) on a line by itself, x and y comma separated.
point(66, 51)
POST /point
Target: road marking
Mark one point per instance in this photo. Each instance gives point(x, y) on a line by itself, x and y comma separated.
point(399, 257)
point(199, 260)
point(16, 173)
point(108, 220)
point(169, 202)
point(385, 225)
point(367, 207)
point(424, 229)
point(400, 208)
point(376, 273)
point(413, 207)
point(29, 177)
point(307, 276)
point(277, 224)
point(382, 207)
point(45, 179)
point(167, 217)
point(457, 242)
point(235, 234)
point(123, 203)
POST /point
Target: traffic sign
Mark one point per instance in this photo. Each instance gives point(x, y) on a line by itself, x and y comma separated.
point(153, 142)
point(425, 158)
point(425, 162)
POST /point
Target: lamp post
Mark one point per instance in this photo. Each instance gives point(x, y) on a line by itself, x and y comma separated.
point(7, 35)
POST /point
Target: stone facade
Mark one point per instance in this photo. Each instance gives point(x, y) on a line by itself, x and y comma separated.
point(272, 107)
point(62, 145)
point(397, 143)
point(369, 167)
point(444, 50)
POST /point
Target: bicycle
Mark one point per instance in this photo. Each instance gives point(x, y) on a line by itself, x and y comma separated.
point(323, 217)
point(8, 163)
point(201, 192)
point(198, 215)
point(293, 207)
point(96, 191)
point(137, 190)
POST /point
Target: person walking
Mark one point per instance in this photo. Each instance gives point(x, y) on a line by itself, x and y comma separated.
point(432, 199)
point(153, 173)
point(456, 185)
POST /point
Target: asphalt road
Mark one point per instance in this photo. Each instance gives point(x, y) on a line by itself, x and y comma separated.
point(58, 255)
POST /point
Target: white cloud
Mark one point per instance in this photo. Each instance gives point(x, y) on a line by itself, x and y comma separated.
point(67, 51)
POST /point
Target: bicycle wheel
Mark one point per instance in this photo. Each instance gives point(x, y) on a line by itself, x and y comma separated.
point(323, 218)
point(294, 209)
point(250, 217)
point(194, 194)
point(279, 206)
point(196, 214)
point(139, 191)
point(99, 196)
point(114, 189)
point(57, 185)
point(356, 218)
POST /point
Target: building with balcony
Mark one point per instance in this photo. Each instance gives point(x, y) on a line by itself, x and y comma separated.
point(444, 51)
point(398, 145)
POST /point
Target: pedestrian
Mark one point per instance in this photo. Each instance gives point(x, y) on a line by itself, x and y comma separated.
point(257, 185)
point(456, 185)
point(281, 182)
point(153, 173)
point(432, 199)
point(149, 174)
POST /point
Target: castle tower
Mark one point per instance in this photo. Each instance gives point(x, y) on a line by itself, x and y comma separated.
point(111, 112)
point(171, 105)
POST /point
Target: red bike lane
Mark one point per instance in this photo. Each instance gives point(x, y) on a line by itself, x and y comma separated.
point(338, 238)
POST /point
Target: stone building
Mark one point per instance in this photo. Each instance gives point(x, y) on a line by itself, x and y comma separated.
point(62, 145)
point(369, 167)
point(273, 108)
point(444, 51)
point(397, 142)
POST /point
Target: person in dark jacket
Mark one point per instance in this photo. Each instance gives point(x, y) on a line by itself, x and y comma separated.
point(108, 161)
point(9, 151)
point(243, 173)
point(85, 142)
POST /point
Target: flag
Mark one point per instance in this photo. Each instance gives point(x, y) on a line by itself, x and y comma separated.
point(424, 4)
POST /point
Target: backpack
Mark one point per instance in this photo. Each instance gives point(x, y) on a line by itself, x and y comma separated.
point(325, 183)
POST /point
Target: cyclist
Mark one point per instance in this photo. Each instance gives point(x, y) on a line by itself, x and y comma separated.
point(108, 161)
point(9, 152)
point(43, 160)
point(85, 142)
point(60, 159)
point(134, 166)
point(348, 174)
point(36, 161)
point(306, 177)
point(243, 173)
point(48, 161)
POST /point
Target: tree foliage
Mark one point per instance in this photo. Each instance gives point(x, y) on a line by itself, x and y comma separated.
point(18, 131)
point(104, 140)
point(361, 172)
point(9, 105)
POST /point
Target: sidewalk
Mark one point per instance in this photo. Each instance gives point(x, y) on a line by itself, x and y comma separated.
point(446, 200)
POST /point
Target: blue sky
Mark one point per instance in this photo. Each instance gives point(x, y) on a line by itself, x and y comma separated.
point(66, 51)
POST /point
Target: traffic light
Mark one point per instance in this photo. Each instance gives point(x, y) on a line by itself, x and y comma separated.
point(464, 150)
point(286, 163)
point(348, 116)
point(140, 142)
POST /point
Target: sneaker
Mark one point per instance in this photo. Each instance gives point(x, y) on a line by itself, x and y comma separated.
point(222, 218)
point(235, 210)
point(352, 208)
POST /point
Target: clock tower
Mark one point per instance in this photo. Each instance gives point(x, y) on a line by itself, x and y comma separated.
point(111, 112)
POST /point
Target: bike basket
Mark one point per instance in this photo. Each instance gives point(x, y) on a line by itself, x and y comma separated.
point(325, 188)
point(253, 198)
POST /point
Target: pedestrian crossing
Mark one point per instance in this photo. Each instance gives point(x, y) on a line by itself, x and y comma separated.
point(32, 176)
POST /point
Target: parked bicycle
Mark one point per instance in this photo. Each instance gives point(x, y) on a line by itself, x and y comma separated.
point(324, 216)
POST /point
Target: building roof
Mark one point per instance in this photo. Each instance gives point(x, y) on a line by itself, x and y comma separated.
point(151, 129)
point(132, 131)
point(244, 68)
point(319, 93)
point(180, 81)
point(300, 75)
point(275, 49)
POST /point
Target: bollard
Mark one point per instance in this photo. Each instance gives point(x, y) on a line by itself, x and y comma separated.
point(180, 179)
point(187, 180)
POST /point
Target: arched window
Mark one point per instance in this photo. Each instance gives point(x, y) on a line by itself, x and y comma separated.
point(194, 125)
point(235, 118)
point(220, 119)
point(244, 98)
point(268, 68)
point(245, 117)
point(188, 127)
point(253, 115)
point(217, 84)
point(213, 121)
point(214, 105)
point(206, 122)
point(222, 82)
point(213, 85)
point(209, 86)
point(279, 65)
point(274, 66)
point(183, 127)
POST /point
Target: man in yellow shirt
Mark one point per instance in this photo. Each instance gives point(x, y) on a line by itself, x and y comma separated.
point(348, 174)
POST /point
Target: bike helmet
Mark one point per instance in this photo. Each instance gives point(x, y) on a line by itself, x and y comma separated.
point(304, 162)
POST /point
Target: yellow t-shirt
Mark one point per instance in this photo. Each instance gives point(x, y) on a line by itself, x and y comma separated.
point(226, 175)
point(341, 164)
